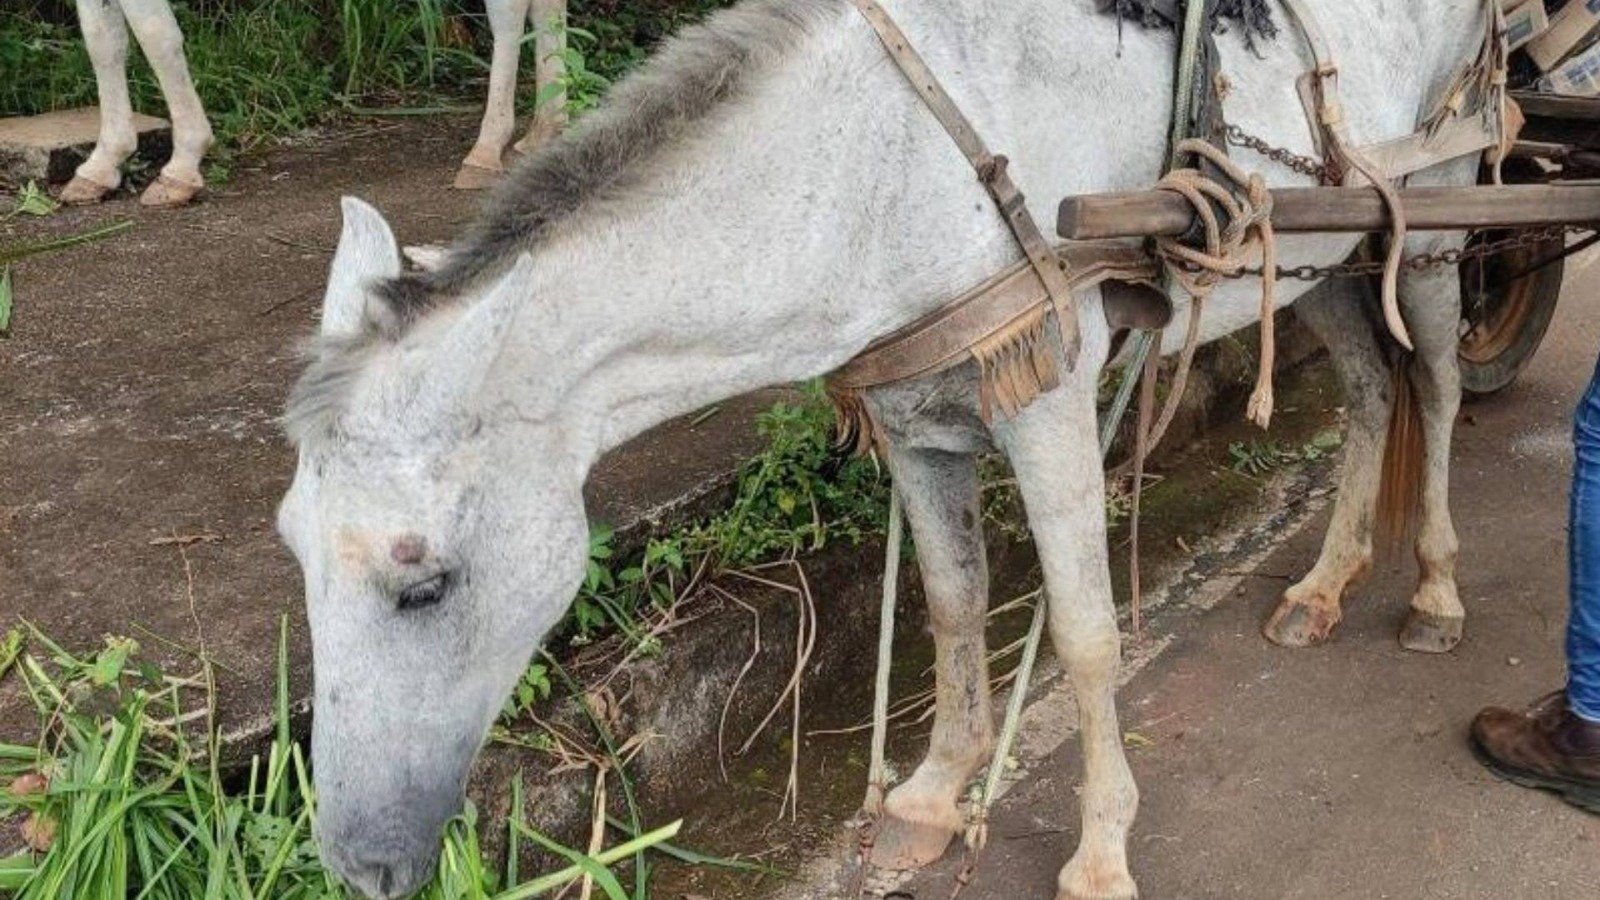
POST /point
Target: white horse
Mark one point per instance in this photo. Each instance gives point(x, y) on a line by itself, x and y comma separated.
point(105, 25)
point(754, 207)
point(548, 19)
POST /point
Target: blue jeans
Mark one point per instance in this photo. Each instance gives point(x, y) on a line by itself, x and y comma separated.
point(1583, 625)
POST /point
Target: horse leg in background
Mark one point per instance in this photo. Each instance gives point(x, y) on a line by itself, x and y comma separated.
point(548, 19)
point(157, 31)
point(940, 493)
point(483, 165)
point(1310, 609)
point(1431, 299)
point(105, 34)
point(1053, 448)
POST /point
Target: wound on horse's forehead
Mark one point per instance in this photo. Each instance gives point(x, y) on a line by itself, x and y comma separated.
point(408, 549)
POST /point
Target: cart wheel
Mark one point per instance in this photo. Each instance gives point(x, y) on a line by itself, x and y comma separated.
point(1505, 311)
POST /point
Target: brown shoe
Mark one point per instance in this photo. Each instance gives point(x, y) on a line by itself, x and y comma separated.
point(1546, 747)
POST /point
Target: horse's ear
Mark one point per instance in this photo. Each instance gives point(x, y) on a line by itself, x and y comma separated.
point(367, 251)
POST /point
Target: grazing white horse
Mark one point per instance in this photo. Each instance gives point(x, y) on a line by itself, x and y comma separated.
point(754, 207)
point(548, 19)
point(105, 25)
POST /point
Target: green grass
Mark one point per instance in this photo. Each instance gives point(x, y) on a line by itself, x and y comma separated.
point(124, 778)
point(269, 68)
point(796, 496)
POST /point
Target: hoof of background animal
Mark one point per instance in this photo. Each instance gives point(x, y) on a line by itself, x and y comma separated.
point(166, 193)
point(903, 845)
point(81, 191)
point(476, 178)
point(541, 134)
point(1427, 632)
point(1300, 625)
point(1108, 884)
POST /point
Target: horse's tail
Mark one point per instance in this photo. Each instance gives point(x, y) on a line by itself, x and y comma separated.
point(1400, 484)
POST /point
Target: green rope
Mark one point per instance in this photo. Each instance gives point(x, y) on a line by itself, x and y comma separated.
point(876, 780)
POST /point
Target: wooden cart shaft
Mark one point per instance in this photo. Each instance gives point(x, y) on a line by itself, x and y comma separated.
point(1339, 209)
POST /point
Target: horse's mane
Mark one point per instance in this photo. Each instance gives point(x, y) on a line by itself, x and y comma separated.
point(602, 157)
point(1254, 16)
point(607, 152)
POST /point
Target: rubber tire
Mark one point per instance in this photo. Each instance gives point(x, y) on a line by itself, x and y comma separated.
point(1485, 377)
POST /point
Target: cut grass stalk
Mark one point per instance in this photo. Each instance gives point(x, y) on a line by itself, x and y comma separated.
point(11, 254)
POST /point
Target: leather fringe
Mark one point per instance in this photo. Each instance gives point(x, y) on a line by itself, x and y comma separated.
point(1015, 365)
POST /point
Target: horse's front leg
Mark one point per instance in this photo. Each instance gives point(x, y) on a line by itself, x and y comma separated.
point(548, 19)
point(162, 41)
point(1432, 302)
point(483, 165)
point(940, 493)
point(1311, 607)
point(1054, 451)
point(105, 34)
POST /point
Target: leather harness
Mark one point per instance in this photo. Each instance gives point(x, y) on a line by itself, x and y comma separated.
point(1001, 324)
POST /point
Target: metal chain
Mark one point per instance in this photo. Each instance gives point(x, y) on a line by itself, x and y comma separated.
point(1522, 239)
point(1305, 165)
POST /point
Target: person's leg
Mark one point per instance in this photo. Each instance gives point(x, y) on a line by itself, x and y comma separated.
point(1556, 745)
point(1583, 623)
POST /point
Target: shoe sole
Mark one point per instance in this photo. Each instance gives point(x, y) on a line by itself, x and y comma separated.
point(1583, 795)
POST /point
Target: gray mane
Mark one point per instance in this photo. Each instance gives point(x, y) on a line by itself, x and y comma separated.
point(606, 153)
point(1253, 16)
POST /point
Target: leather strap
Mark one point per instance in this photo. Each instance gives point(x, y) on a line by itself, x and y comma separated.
point(945, 338)
point(992, 172)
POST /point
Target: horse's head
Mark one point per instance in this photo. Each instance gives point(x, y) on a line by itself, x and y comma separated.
point(438, 543)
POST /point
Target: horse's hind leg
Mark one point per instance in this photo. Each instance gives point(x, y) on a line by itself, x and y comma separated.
point(159, 36)
point(1310, 609)
point(1054, 451)
point(105, 34)
point(548, 19)
point(940, 493)
point(1432, 301)
point(483, 165)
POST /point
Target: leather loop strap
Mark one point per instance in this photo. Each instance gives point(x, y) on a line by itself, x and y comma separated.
point(991, 170)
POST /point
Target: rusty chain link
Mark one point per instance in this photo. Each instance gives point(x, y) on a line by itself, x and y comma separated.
point(1522, 239)
point(1305, 165)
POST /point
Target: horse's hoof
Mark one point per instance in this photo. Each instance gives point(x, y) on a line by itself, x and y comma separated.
point(903, 845)
point(1427, 632)
point(1129, 894)
point(476, 178)
point(168, 193)
point(1299, 625)
point(1107, 884)
point(81, 191)
point(542, 133)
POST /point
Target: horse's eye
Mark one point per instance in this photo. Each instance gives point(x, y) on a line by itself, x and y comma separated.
point(423, 593)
